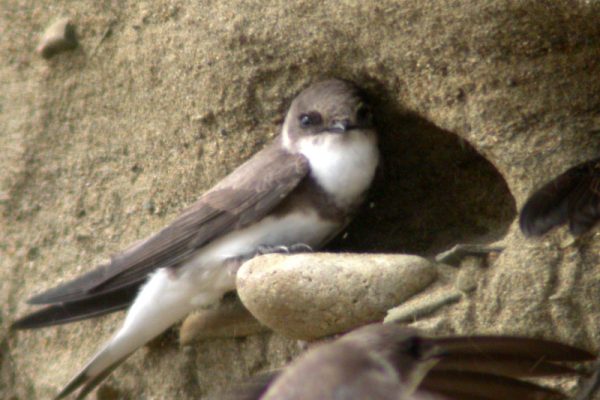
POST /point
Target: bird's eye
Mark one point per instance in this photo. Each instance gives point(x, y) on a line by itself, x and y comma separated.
point(310, 119)
point(363, 114)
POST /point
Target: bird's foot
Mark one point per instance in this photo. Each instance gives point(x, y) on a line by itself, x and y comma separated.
point(293, 249)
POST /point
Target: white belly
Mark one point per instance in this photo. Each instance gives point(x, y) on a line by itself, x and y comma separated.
point(170, 295)
point(343, 165)
point(209, 270)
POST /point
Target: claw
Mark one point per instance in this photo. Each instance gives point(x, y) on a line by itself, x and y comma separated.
point(293, 249)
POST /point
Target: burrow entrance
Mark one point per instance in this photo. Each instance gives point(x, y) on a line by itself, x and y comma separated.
point(433, 191)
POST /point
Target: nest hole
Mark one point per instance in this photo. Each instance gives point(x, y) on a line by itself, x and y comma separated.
point(434, 190)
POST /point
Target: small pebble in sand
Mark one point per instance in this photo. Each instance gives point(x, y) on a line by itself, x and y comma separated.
point(59, 37)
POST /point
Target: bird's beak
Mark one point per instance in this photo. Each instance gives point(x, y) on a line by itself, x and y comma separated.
point(340, 126)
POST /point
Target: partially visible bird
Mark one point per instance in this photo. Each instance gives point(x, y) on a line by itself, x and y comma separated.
point(392, 362)
point(572, 197)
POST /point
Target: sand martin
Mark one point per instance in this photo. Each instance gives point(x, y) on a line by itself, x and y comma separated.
point(296, 194)
point(393, 362)
point(572, 197)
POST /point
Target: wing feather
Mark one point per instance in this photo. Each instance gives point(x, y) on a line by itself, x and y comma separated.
point(573, 197)
point(238, 200)
point(477, 386)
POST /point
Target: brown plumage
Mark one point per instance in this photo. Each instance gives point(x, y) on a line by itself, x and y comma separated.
point(572, 197)
point(297, 193)
point(391, 362)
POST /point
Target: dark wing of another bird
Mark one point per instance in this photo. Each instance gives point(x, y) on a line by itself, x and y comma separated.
point(463, 385)
point(245, 196)
point(489, 367)
point(389, 361)
point(572, 197)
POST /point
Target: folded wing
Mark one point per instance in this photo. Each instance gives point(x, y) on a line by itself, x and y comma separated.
point(572, 197)
point(241, 198)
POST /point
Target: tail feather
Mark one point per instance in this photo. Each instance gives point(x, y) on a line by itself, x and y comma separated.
point(146, 319)
point(121, 346)
point(87, 381)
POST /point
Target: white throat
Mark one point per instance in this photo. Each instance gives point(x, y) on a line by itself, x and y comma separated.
point(343, 164)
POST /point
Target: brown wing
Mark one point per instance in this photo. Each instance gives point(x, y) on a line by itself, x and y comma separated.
point(244, 196)
point(92, 306)
point(514, 346)
point(573, 197)
point(488, 367)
